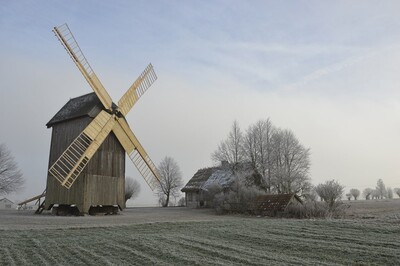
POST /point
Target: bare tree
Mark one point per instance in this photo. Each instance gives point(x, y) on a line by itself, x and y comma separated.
point(389, 191)
point(132, 188)
point(381, 189)
point(171, 180)
point(367, 193)
point(397, 191)
point(291, 160)
point(330, 192)
point(11, 179)
point(258, 148)
point(355, 193)
point(231, 149)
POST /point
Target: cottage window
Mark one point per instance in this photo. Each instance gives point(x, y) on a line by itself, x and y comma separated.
point(190, 196)
point(8, 206)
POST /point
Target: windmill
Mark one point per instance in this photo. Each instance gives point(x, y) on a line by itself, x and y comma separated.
point(89, 139)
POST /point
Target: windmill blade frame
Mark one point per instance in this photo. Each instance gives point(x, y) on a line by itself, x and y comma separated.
point(136, 153)
point(137, 89)
point(74, 159)
point(70, 44)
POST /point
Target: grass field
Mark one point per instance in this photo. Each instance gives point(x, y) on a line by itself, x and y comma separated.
point(182, 236)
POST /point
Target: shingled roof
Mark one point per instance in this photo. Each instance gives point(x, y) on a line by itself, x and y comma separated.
point(85, 105)
point(222, 175)
point(276, 202)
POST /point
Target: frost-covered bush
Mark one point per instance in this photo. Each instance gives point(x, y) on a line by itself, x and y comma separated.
point(315, 209)
point(210, 194)
point(238, 199)
point(331, 192)
point(181, 202)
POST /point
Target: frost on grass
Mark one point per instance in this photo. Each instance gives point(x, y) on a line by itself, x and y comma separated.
point(219, 242)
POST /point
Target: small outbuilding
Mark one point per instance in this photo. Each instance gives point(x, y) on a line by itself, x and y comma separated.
point(6, 204)
point(276, 203)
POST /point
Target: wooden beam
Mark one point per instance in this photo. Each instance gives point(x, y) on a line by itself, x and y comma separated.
point(32, 199)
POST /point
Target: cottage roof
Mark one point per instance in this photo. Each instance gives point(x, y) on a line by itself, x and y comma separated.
point(85, 105)
point(222, 175)
point(276, 202)
point(6, 200)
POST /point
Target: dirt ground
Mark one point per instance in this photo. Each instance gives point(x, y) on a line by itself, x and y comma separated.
point(26, 219)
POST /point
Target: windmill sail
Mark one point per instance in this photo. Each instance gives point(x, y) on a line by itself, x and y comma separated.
point(66, 38)
point(74, 159)
point(138, 88)
point(136, 153)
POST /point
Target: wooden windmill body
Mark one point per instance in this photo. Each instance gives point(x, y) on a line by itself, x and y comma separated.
point(90, 136)
point(102, 181)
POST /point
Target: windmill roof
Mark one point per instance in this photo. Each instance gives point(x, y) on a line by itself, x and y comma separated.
point(222, 175)
point(85, 105)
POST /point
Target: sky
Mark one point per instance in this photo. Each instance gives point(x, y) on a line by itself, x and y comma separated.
point(329, 71)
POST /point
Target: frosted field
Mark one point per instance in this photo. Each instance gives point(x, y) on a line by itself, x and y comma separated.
point(183, 236)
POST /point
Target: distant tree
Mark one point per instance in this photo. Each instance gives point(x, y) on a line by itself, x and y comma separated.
point(231, 149)
point(381, 189)
point(132, 188)
point(375, 194)
point(11, 179)
point(397, 191)
point(355, 193)
point(348, 196)
point(171, 180)
point(367, 193)
point(330, 192)
point(389, 191)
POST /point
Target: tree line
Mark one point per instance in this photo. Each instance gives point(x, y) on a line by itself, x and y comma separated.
point(379, 192)
point(276, 154)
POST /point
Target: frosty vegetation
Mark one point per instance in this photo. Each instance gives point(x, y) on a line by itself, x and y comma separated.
point(282, 165)
point(132, 188)
point(278, 156)
point(171, 181)
point(11, 179)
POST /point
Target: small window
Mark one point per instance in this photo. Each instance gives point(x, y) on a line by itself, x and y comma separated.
point(190, 196)
point(8, 206)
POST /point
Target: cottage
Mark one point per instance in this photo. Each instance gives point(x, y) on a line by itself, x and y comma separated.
point(6, 204)
point(223, 176)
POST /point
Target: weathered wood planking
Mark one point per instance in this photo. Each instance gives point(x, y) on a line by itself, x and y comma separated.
point(102, 182)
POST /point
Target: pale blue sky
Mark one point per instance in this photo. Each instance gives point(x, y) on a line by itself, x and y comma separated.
point(328, 71)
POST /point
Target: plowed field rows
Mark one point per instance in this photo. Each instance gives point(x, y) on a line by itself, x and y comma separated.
point(243, 240)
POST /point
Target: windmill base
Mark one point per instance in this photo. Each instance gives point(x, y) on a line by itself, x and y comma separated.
point(71, 210)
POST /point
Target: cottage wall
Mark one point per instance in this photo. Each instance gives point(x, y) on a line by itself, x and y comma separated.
point(6, 204)
point(192, 199)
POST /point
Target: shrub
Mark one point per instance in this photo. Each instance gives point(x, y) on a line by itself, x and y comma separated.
point(238, 199)
point(181, 202)
point(330, 192)
point(315, 209)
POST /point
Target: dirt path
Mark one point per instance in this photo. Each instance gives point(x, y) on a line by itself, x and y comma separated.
point(21, 220)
